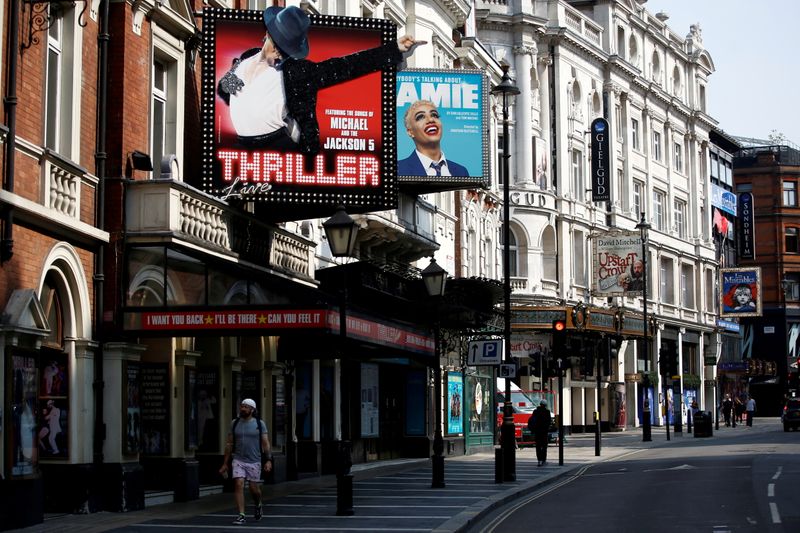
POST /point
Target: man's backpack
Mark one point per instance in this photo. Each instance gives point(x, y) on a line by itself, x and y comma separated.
point(236, 423)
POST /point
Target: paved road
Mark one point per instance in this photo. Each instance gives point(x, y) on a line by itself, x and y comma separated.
point(747, 482)
point(396, 500)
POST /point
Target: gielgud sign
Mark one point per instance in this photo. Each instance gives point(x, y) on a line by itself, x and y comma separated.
point(296, 108)
point(617, 267)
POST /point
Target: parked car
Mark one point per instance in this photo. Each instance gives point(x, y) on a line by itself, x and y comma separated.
point(791, 414)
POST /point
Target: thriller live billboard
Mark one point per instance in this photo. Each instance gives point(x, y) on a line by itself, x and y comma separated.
point(354, 164)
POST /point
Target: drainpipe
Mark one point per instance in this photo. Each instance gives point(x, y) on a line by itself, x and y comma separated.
point(99, 267)
point(10, 103)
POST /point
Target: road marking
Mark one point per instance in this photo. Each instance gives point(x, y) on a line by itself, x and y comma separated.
point(773, 509)
point(778, 473)
point(771, 490)
point(277, 528)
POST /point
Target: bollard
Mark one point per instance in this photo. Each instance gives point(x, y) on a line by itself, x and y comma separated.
point(498, 465)
point(344, 495)
point(437, 477)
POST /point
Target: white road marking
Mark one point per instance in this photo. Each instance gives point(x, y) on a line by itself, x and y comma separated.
point(778, 473)
point(251, 526)
point(773, 509)
point(771, 490)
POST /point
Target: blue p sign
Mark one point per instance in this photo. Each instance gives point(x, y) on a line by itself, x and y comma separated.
point(489, 350)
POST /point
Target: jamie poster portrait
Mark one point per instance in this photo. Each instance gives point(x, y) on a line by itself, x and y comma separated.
point(328, 142)
point(441, 126)
point(741, 291)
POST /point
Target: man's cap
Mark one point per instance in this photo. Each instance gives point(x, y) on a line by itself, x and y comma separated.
point(249, 403)
point(288, 28)
point(543, 403)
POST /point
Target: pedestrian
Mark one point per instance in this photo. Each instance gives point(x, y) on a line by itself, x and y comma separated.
point(751, 410)
point(727, 407)
point(248, 445)
point(539, 424)
point(738, 411)
point(693, 410)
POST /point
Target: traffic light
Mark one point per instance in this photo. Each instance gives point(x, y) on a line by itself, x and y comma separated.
point(587, 360)
point(668, 361)
point(610, 355)
point(535, 366)
point(559, 332)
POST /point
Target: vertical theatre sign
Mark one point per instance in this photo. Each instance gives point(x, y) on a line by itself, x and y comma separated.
point(352, 160)
point(617, 266)
point(747, 242)
point(601, 191)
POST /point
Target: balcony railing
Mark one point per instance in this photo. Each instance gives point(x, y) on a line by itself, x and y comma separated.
point(172, 211)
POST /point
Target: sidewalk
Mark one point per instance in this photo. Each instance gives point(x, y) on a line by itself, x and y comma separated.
point(392, 495)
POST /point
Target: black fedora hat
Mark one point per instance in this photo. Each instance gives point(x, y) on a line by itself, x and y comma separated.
point(288, 28)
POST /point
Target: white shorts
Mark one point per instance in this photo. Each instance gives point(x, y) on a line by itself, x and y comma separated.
point(248, 471)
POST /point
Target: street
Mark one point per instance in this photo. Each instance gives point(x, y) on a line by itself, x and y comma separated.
point(746, 483)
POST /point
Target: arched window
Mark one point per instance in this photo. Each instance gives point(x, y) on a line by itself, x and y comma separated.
point(656, 65)
point(513, 250)
point(52, 304)
point(676, 81)
point(621, 41)
point(633, 50)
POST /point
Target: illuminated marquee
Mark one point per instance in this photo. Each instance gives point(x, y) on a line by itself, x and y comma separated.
point(355, 165)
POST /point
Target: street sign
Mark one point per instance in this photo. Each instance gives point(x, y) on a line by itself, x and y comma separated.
point(486, 352)
point(507, 371)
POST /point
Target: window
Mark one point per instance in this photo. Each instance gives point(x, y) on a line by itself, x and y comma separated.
point(713, 166)
point(710, 288)
point(618, 122)
point(633, 50)
point(621, 41)
point(638, 191)
point(702, 97)
point(577, 175)
point(657, 145)
point(667, 292)
point(634, 134)
point(678, 158)
point(549, 254)
point(513, 252)
point(656, 65)
point(790, 193)
point(791, 241)
point(578, 259)
point(60, 104)
point(687, 287)
point(500, 155)
point(166, 99)
point(676, 81)
point(680, 218)
point(658, 208)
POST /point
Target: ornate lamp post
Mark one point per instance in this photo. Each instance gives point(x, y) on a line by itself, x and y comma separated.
point(341, 231)
point(435, 278)
point(507, 90)
point(644, 227)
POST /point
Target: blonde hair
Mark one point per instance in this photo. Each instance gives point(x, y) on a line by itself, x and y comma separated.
point(412, 107)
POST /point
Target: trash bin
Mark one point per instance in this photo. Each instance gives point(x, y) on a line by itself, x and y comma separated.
point(702, 424)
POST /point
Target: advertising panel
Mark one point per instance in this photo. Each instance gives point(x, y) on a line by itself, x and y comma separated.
point(455, 400)
point(322, 140)
point(741, 291)
point(617, 266)
point(369, 400)
point(442, 125)
point(24, 442)
point(133, 407)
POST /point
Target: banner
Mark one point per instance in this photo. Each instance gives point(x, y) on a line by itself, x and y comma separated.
point(600, 143)
point(255, 148)
point(740, 291)
point(617, 266)
point(441, 117)
point(747, 239)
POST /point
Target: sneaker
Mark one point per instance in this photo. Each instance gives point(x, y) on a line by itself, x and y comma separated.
point(257, 513)
point(240, 520)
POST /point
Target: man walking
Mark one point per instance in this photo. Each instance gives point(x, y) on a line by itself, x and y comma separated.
point(750, 407)
point(540, 428)
point(248, 443)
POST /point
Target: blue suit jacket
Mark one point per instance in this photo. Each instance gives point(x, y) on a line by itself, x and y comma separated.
point(412, 166)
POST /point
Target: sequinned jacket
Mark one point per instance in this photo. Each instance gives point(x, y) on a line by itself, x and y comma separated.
point(302, 79)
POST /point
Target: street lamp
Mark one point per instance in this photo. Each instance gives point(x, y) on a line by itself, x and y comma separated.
point(341, 231)
point(643, 226)
point(435, 278)
point(507, 90)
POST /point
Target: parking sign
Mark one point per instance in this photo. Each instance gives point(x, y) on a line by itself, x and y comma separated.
point(488, 352)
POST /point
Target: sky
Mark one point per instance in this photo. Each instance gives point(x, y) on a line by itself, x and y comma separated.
point(754, 47)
